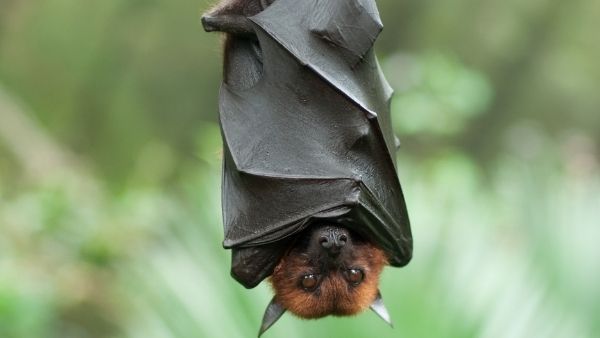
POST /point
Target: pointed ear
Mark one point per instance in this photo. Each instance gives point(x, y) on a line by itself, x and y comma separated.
point(272, 314)
point(379, 308)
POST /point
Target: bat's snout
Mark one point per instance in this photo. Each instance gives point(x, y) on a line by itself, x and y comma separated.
point(333, 239)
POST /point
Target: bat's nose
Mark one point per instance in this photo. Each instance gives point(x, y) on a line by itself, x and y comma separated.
point(333, 239)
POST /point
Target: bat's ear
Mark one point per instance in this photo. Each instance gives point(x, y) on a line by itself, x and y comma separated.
point(272, 314)
point(379, 308)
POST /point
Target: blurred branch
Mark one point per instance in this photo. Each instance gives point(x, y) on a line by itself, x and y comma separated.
point(38, 154)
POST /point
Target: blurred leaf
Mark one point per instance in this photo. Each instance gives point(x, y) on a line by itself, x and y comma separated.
point(439, 95)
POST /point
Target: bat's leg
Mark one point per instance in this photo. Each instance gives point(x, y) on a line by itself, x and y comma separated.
point(265, 3)
point(229, 23)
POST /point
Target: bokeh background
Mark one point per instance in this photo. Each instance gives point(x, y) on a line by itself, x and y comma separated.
point(110, 220)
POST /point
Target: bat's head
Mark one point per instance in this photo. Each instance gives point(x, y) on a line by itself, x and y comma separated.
point(328, 271)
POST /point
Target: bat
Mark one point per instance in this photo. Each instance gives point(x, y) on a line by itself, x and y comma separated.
point(310, 194)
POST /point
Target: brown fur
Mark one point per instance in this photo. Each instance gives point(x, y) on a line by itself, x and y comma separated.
point(334, 296)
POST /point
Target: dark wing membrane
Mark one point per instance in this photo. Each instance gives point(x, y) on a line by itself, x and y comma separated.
point(261, 209)
point(336, 43)
point(297, 148)
point(251, 265)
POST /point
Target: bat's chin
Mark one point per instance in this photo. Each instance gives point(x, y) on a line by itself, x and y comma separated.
point(334, 296)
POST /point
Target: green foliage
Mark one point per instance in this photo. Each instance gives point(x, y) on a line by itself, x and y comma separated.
point(437, 95)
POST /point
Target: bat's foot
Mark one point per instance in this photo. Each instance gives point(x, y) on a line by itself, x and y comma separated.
point(208, 23)
point(233, 24)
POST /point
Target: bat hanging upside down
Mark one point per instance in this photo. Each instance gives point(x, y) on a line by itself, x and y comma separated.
point(310, 194)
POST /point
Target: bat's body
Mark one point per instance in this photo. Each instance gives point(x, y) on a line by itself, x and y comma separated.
point(308, 146)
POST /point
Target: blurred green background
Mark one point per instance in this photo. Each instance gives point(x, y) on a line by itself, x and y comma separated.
point(110, 219)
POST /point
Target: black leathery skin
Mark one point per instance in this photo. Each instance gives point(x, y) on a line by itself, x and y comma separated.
point(305, 118)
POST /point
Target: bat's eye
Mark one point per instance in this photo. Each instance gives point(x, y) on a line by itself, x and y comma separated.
point(309, 282)
point(355, 276)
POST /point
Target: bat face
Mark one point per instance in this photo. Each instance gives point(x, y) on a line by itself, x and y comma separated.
point(328, 271)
